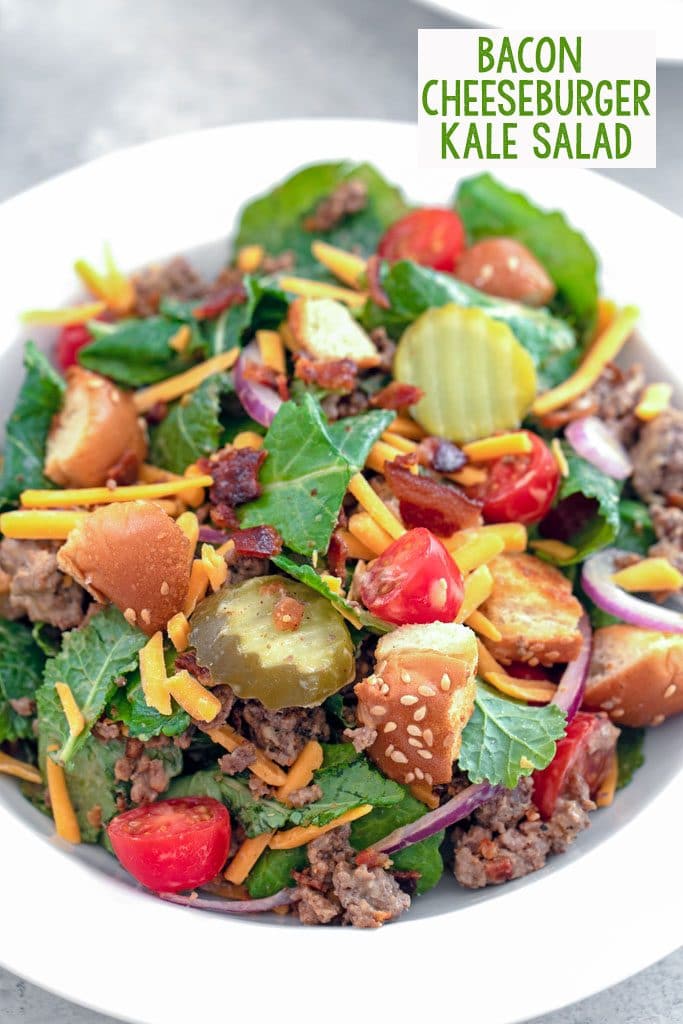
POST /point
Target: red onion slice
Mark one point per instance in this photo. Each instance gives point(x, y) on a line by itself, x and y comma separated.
point(597, 583)
point(591, 439)
point(258, 401)
point(207, 535)
point(280, 899)
point(572, 685)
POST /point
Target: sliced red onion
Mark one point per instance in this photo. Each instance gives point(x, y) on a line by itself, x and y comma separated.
point(596, 580)
point(592, 440)
point(207, 535)
point(258, 401)
point(262, 906)
point(572, 685)
point(461, 806)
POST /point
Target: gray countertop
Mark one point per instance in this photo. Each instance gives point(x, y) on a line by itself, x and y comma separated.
point(78, 80)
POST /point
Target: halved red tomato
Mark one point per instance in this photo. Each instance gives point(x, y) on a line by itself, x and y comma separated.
point(70, 341)
point(520, 488)
point(172, 845)
point(432, 237)
point(577, 750)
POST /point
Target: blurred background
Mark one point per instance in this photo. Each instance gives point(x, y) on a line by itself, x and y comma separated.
point(79, 79)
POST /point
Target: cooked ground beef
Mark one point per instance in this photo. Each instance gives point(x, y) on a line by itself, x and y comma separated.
point(386, 348)
point(275, 264)
point(175, 279)
point(243, 569)
point(147, 775)
point(105, 730)
point(305, 795)
point(338, 407)
point(227, 699)
point(658, 457)
point(348, 197)
point(260, 789)
point(36, 587)
point(362, 737)
point(282, 735)
point(668, 524)
point(333, 887)
point(238, 761)
point(612, 398)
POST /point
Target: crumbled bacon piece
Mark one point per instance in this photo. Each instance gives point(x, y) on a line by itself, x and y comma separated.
point(337, 553)
point(257, 542)
point(157, 413)
point(396, 396)
point(267, 376)
point(288, 613)
point(235, 475)
point(438, 454)
point(377, 293)
point(330, 374)
point(348, 197)
point(220, 299)
point(223, 516)
point(125, 471)
point(440, 507)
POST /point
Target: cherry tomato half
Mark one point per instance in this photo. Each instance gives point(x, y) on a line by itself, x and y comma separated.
point(414, 580)
point(70, 341)
point(574, 751)
point(521, 488)
point(432, 237)
point(172, 845)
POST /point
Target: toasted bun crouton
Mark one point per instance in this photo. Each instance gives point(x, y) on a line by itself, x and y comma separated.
point(95, 430)
point(325, 329)
point(133, 555)
point(419, 700)
point(533, 608)
point(635, 675)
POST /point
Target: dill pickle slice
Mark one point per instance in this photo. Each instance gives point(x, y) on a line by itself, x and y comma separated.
point(477, 378)
point(235, 637)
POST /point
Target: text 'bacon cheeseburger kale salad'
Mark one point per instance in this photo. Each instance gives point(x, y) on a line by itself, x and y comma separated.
point(345, 568)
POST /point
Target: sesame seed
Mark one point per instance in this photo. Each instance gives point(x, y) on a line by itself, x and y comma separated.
point(384, 688)
point(405, 677)
point(378, 710)
point(410, 777)
point(414, 742)
point(165, 589)
point(408, 699)
point(445, 682)
point(129, 615)
point(373, 680)
point(658, 719)
point(427, 754)
point(414, 730)
point(618, 713)
point(420, 713)
point(438, 592)
point(399, 757)
point(670, 690)
point(390, 726)
point(426, 691)
point(428, 737)
point(533, 662)
point(428, 779)
point(146, 616)
point(390, 749)
point(419, 774)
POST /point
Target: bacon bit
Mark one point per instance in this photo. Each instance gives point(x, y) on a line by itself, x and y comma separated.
point(396, 396)
point(439, 507)
point(440, 455)
point(233, 294)
point(187, 661)
point(372, 858)
point(235, 475)
point(257, 542)
point(223, 516)
point(377, 293)
point(499, 870)
point(125, 471)
point(288, 613)
point(337, 553)
point(330, 374)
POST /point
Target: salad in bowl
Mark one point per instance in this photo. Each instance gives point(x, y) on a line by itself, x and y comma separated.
point(350, 567)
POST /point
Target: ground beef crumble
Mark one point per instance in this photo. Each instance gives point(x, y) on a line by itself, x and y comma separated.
point(147, 775)
point(305, 795)
point(347, 198)
point(282, 735)
point(362, 737)
point(658, 458)
point(175, 279)
point(238, 760)
point(32, 584)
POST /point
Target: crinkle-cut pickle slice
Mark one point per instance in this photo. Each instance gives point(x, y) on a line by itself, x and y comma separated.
point(235, 637)
point(477, 378)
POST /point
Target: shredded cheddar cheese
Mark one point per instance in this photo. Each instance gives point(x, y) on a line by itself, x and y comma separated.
point(469, 476)
point(153, 675)
point(63, 317)
point(249, 852)
point(653, 401)
point(247, 439)
point(480, 624)
point(650, 574)
point(194, 698)
point(262, 767)
point(178, 629)
point(404, 444)
point(250, 258)
point(536, 690)
point(513, 536)
point(487, 663)
point(475, 551)
point(365, 530)
point(272, 350)
point(301, 772)
point(18, 769)
point(63, 812)
point(425, 794)
point(345, 266)
point(607, 310)
point(149, 474)
point(106, 495)
point(112, 286)
point(227, 548)
point(173, 387)
point(181, 339)
point(382, 452)
point(554, 548)
point(72, 712)
point(302, 834)
point(355, 547)
point(199, 581)
point(319, 290)
point(30, 525)
point(477, 588)
point(516, 443)
point(603, 351)
point(215, 566)
point(374, 506)
point(608, 786)
point(407, 427)
point(189, 524)
point(195, 496)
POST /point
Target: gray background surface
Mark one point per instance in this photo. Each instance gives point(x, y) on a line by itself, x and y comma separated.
point(80, 78)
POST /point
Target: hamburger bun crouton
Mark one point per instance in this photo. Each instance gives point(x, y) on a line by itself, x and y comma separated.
point(418, 700)
point(133, 555)
point(324, 329)
point(96, 429)
point(635, 675)
point(534, 610)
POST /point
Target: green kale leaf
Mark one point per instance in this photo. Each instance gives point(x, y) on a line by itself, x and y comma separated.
point(354, 436)
point(629, 754)
point(344, 787)
point(276, 220)
point(600, 529)
point(490, 209)
point(26, 431)
point(636, 532)
point(336, 754)
point(506, 739)
point(191, 429)
point(256, 816)
point(91, 660)
point(21, 671)
point(129, 706)
point(273, 871)
point(134, 352)
point(303, 480)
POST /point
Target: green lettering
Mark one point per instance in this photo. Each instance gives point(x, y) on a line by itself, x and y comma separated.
point(506, 56)
point(623, 140)
point(425, 97)
point(526, 41)
point(547, 64)
point(486, 61)
point(541, 131)
point(573, 56)
point(641, 94)
point(447, 147)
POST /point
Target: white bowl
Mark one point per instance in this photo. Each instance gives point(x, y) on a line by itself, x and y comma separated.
point(71, 921)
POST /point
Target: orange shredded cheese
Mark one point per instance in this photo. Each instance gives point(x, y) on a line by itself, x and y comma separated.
point(247, 439)
point(250, 258)
point(516, 443)
point(345, 266)
point(301, 772)
point(112, 286)
point(181, 339)
point(226, 548)
point(272, 350)
point(195, 496)
point(72, 712)
point(189, 524)
point(374, 506)
point(319, 290)
point(173, 387)
point(560, 457)
point(477, 588)
point(604, 350)
point(194, 698)
point(153, 675)
point(653, 401)
point(380, 453)
point(63, 812)
point(608, 786)
point(607, 310)
point(63, 317)
point(178, 629)
point(197, 587)
point(262, 767)
point(248, 853)
point(149, 474)
point(650, 574)
point(302, 834)
point(480, 624)
point(554, 548)
point(30, 525)
point(404, 444)
point(487, 663)
point(470, 553)
point(18, 769)
point(422, 792)
point(513, 536)
point(535, 690)
point(469, 476)
point(407, 427)
point(364, 528)
point(106, 495)
point(355, 547)
point(215, 566)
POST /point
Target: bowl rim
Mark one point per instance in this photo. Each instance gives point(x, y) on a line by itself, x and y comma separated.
point(568, 963)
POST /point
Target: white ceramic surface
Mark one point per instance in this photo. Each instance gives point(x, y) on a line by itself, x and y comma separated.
point(72, 922)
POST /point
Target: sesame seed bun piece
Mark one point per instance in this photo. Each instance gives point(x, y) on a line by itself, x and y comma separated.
point(95, 428)
point(133, 555)
point(635, 675)
point(419, 700)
